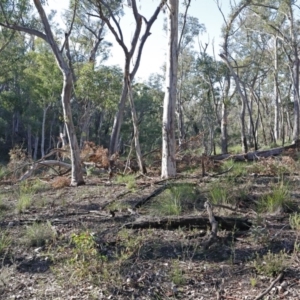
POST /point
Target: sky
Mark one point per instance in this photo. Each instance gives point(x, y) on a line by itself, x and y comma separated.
point(153, 56)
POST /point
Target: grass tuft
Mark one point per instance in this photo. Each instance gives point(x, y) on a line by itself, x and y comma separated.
point(38, 234)
point(277, 201)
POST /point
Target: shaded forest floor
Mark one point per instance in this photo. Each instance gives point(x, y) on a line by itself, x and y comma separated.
point(58, 242)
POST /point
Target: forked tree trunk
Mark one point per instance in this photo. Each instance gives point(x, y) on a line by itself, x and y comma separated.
point(135, 131)
point(168, 167)
point(76, 173)
point(115, 134)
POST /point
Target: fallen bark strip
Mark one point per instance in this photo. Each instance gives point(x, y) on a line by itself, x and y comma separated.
point(189, 222)
point(254, 155)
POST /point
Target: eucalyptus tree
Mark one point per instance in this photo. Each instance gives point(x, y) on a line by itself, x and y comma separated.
point(19, 16)
point(168, 165)
point(137, 42)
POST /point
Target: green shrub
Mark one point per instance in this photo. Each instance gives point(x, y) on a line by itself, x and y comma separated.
point(270, 264)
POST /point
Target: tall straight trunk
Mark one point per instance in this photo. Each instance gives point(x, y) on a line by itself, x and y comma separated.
point(29, 141)
point(180, 121)
point(85, 124)
point(295, 75)
point(43, 131)
point(168, 168)
point(36, 146)
point(276, 94)
point(76, 173)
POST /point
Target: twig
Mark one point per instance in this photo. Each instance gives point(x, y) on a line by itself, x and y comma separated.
point(279, 277)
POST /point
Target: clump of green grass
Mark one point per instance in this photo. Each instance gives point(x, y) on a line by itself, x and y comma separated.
point(236, 168)
point(277, 201)
point(295, 221)
point(172, 200)
point(271, 264)
point(38, 234)
point(24, 202)
point(5, 242)
point(128, 180)
point(32, 187)
point(219, 194)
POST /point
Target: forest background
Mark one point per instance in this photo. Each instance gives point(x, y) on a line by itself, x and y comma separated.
point(243, 94)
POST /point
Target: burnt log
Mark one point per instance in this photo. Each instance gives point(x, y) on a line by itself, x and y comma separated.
point(189, 222)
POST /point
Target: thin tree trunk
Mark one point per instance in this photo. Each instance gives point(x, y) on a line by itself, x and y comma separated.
point(29, 141)
point(136, 130)
point(36, 145)
point(115, 134)
point(43, 130)
point(168, 168)
point(76, 173)
point(276, 96)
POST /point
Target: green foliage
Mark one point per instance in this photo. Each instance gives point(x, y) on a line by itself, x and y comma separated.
point(38, 234)
point(32, 187)
point(277, 201)
point(24, 202)
point(3, 172)
point(236, 168)
point(129, 180)
point(219, 194)
point(5, 242)
point(86, 260)
point(294, 220)
point(270, 264)
point(172, 200)
point(177, 274)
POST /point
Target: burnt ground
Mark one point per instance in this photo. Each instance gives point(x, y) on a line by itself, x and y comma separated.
point(80, 248)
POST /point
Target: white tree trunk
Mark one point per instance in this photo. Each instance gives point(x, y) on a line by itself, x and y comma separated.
point(43, 130)
point(168, 166)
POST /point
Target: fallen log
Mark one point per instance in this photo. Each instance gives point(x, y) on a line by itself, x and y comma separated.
point(189, 222)
point(255, 155)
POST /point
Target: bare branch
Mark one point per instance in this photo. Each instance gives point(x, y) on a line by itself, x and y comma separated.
point(145, 36)
point(184, 24)
point(26, 30)
point(119, 39)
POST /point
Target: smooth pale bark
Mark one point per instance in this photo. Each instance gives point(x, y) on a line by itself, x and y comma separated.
point(45, 109)
point(276, 93)
point(168, 165)
point(29, 142)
